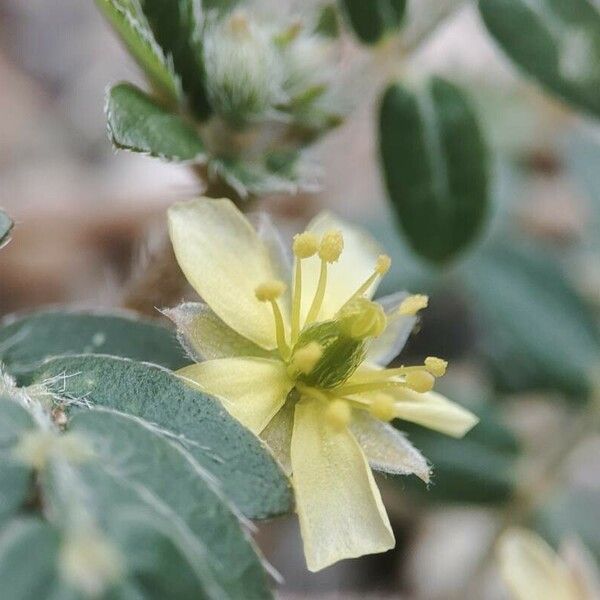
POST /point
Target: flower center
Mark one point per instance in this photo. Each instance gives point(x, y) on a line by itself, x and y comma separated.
point(322, 356)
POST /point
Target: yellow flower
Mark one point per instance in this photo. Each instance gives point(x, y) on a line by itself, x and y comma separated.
point(296, 353)
point(532, 570)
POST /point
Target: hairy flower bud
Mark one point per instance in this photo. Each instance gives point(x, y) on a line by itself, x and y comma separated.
point(243, 71)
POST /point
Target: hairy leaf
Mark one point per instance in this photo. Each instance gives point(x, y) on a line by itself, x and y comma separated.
point(130, 24)
point(436, 167)
point(135, 464)
point(137, 123)
point(556, 42)
point(276, 175)
point(15, 478)
point(373, 19)
point(245, 470)
point(28, 550)
point(27, 340)
point(177, 28)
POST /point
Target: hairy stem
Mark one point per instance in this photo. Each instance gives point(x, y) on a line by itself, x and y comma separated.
point(160, 282)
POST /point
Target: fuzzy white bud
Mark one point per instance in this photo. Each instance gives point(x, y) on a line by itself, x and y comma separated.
point(243, 70)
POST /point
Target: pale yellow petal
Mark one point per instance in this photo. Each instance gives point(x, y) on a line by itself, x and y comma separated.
point(383, 349)
point(339, 506)
point(355, 265)
point(278, 434)
point(434, 411)
point(386, 448)
point(430, 409)
point(251, 389)
point(224, 259)
point(206, 337)
point(531, 568)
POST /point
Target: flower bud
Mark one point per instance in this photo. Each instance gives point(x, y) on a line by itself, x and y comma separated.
point(243, 74)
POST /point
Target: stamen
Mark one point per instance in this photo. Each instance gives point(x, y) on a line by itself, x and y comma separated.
point(330, 250)
point(269, 291)
point(359, 388)
point(417, 378)
point(436, 366)
point(382, 266)
point(338, 414)
point(420, 381)
point(382, 407)
point(304, 359)
point(412, 305)
point(331, 246)
point(317, 302)
point(305, 245)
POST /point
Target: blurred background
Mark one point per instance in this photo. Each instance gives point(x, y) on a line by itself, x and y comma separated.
point(517, 317)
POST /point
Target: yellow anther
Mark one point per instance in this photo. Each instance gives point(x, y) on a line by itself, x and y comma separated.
point(270, 290)
point(413, 304)
point(338, 414)
point(436, 366)
point(305, 245)
point(384, 262)
point(361, 318)
point(420, 381)
point(382, 407)
point(331, 246)
point(305, 358)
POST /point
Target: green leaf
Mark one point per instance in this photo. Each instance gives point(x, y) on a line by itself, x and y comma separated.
point(372, 19)
point(6, 226)
point(15, 478)
point(135, 469)
point(246, 471)
point(479, 468)
point(536, 332)
point(436, 167)
point(138, 123)
point(278, 174)
point(28, 550)
point(177, 28)
point(556, 42)
point(130, 24)
point(27, 340)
